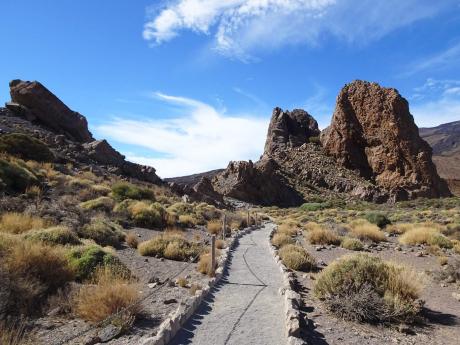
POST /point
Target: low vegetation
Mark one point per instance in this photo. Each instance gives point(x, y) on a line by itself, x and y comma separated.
point(103, 232)
point(352, 244)
point(25, 147)
point(366, 231)
point(171, 246)
point(297, 258)
point(365, 288)
point(322, 236)
point(279, 240)
point(124, 190)
point(17, 223)
point(424, 234)
point(56, 235)
point(103, 203)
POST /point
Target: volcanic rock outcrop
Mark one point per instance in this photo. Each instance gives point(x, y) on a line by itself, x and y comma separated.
point(373, 132)
point(40, 104)
point(37, 112)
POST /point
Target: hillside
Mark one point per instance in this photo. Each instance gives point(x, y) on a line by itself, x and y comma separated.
point(445, 141)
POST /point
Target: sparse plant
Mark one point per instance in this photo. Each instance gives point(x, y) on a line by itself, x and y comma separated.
point(279, 240)
point(171, 246)
point(125, 190)
point(366, 231)
point(220, 244)
point(365, 288)
point(425, 235)
point(182, 282)
point(214, 226)
point(205, 265)
point(297, 258)
point(103, 232)
point(352, 244)
point(103, 203)
point(131, 240)
point(57, 235)
point(378, 219)
point(322, 236)
point(17, 223)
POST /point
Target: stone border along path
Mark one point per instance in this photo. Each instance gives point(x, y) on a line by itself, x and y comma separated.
point(245, 307)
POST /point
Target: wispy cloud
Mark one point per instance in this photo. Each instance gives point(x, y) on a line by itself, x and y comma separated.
point(436, 102)
point(443, 59)
point(241, 27)
point(201, 139)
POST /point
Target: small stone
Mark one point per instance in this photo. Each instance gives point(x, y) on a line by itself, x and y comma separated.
point(152, 285)
point(419, 254)
point(403, 328)
point(398, 248)
point(456, 296)
point(162, 259)
point(170, 301)
point(146, 260)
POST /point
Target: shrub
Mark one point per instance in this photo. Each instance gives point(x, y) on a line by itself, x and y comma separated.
point(147, 215)
point(297, 258)
point(32, 271)
point(314, 206)
point(378, 219)
point(425, 235)
point(214, 226)
point(323, 236)
point(220, 244)
point(15, 333)
point(25, 147)
point(131, 240)
point(205, 265)
point(186, 220)
point(111, 293)
point(15, 178)
point(352, 244)
point(53, 236)
point(279, 240)
point(125, 190)
point(85, 260)
point(17, 223)
point(170, 246)
point(365, 288)
point(288, 229)
point(364, 230)
point(103, 232)
point(103, 203)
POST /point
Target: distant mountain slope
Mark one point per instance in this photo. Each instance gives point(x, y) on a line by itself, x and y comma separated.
point(445, 141)
point(193, 179)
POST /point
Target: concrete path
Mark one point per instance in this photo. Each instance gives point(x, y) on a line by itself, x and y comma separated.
point(245, 307)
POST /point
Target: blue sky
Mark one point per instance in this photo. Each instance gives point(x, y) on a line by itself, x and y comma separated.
point(187, 85)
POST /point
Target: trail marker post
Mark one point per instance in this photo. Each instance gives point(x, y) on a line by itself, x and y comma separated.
point(213, 255)
point(224, 226)
point(248, 222)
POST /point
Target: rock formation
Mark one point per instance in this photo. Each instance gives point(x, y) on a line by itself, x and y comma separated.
point(37, 103)
point(289, 129)
point(373, 132)
point(35, 111)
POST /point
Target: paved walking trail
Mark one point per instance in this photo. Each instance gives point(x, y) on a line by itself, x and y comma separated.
point(245, 307)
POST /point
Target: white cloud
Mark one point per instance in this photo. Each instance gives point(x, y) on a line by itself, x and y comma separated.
point(201, 139)
point(240, 27)
point(436, 102)
point(440, 60)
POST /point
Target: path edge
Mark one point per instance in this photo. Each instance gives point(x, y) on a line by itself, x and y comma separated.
point(172, 325)
point(292, 299)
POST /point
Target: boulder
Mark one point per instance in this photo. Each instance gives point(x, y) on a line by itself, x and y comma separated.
point(373, 132)
point(289, 129)
point(140, 172)
point(36, 102)
point(102, 152)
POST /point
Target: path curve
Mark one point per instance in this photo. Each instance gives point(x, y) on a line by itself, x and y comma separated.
point(245, 307)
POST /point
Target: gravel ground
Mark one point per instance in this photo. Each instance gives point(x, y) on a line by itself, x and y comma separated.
point(245, 308)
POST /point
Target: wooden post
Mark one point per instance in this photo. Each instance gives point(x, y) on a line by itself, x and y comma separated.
point(213, 255)
point(248, 221)
point(255, 219)
point(224, 226)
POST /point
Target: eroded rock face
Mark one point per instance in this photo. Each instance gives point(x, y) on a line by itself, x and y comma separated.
point(39, 104)
point(102, 152)
point(289, 129)
point(373, 132)
point(256, 183)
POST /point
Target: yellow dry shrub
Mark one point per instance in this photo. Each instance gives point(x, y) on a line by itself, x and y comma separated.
point(17, 223)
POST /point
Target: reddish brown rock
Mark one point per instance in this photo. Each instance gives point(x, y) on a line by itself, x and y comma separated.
point(256, 183)
point(102, 152)
point(373, 132)
point(289, 129)
point(43, 106)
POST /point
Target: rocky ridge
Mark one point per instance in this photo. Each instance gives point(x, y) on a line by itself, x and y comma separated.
point(36, 111)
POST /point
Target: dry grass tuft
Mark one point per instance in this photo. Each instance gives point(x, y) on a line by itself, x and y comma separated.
point(182, 282)
point(15, 334)
point(214, 226)
point(131, 240)
point(111, 293)
point(280, 240)
point(366, 231)
point(321, 235)
point(17, 223)
point(170, 245)
point(352, 244)
point(297, 258)
point(364, 288)
point(220, 244)
point(204, 265)
point(424, 234)
point(287, 228)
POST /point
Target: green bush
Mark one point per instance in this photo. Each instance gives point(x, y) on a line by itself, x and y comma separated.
point(14, 178)
point(364, 288)
point(297, 258)
point(314, 140)
point(147, 215)
point(55, 235)
point(103, 203)
point(125, 190)
point(315, 206)
point(25, 147)
point(441, 241)
point(378, 219)
point(86, 260)
point(103, 232)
